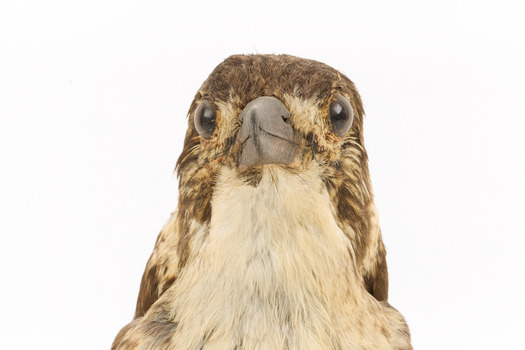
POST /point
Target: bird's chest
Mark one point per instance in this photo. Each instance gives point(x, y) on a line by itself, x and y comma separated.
point(273, 272)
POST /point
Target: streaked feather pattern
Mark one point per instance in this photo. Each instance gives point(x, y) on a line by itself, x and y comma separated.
point(274, 257)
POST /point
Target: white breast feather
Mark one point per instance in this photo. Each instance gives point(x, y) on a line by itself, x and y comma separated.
point(275, 272)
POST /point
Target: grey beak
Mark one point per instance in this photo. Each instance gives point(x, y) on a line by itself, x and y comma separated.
point(266, 136)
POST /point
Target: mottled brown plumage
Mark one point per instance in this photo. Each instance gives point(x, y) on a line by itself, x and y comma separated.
point(340, 164)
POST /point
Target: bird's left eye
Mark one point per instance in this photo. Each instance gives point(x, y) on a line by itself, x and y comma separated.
point(204, 119)
point(341, 115)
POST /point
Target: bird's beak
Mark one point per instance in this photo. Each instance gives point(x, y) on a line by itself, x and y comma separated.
point(266, 136)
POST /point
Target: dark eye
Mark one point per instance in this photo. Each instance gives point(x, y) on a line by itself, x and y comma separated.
point(341, 115)
point(205, 119)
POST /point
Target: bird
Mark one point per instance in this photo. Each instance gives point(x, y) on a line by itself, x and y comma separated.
point(275, 242)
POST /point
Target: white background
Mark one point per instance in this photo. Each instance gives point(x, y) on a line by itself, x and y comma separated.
point(93, 103)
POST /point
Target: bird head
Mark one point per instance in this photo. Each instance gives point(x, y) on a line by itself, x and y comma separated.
point(266, 109)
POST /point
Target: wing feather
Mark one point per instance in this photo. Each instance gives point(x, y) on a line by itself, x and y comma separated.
point(162, 268)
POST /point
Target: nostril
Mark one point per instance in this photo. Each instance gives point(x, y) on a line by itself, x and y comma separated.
point(286, 118)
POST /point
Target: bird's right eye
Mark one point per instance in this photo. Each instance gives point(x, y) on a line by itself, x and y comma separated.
point(341, 115)
point(204, 119)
